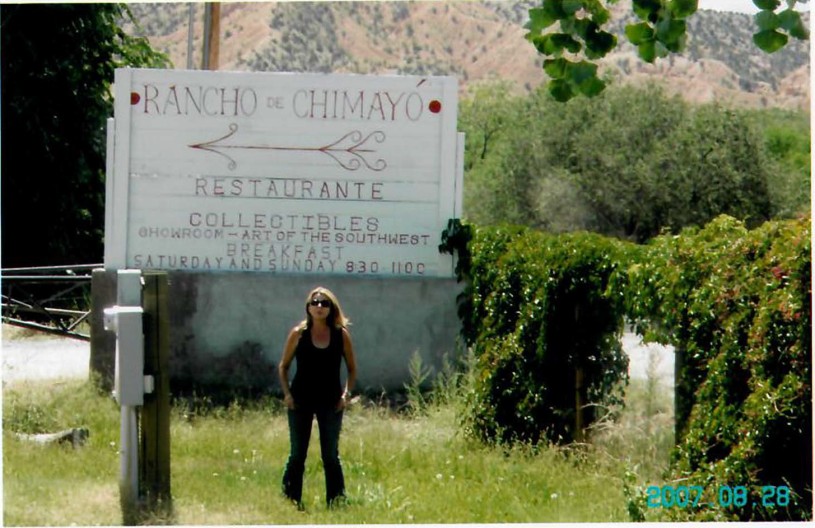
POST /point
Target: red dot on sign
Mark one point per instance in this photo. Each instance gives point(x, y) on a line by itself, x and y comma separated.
point(435, 106)
point(134, 98)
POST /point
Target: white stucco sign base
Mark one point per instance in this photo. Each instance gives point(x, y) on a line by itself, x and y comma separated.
point(283, 173)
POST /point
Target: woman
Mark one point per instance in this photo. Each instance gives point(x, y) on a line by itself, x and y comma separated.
point(320, 343)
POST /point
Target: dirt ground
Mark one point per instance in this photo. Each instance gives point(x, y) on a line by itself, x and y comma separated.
point(34, 356)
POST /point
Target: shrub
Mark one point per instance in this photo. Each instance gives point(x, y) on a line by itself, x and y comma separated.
point(544, 331)
point(736, 304)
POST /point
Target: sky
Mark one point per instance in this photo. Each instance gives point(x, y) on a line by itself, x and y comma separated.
point(740, 6)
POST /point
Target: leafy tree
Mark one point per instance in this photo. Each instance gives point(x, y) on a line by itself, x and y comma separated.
point(483, 117)
point(787, 143)
point(487, 118)
point(660, 31)
point(628, 163)
point(58, 62)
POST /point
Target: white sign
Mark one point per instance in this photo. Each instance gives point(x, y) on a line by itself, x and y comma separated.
point(278, 172)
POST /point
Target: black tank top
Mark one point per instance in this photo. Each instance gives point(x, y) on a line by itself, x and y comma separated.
point(317, 379)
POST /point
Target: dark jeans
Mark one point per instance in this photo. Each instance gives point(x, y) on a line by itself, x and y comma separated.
point(329, 422)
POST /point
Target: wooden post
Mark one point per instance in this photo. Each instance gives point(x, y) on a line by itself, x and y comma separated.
point(578, 386)
point(212, 36)
point(215, 36)
point(103, 343)
point(578, 402)
point(683, 396)
point(154, 467)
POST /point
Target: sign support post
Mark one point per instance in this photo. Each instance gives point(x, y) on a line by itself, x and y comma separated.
point(141, 323)
point(154, 470)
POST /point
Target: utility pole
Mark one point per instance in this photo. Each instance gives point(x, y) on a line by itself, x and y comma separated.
point(212, 36)
point(190, 35)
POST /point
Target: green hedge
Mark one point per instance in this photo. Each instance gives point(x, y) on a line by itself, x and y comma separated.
point(734, 303)
point(538, 318)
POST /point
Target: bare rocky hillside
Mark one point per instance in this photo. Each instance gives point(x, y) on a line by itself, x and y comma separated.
point(474, 41)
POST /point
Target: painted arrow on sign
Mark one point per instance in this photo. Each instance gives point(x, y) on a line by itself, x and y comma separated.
point(349, 151)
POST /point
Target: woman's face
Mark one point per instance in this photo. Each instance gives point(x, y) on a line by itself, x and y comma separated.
point(320, 306)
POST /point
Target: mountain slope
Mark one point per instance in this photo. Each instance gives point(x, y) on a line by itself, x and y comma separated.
point(474, 41)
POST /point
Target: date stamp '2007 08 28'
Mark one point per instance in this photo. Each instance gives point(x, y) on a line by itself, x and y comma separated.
point(724, 497)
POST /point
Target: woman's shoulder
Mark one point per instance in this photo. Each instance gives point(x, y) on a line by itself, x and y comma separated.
point(345, 335)
point(340, 333)
point(297, 331)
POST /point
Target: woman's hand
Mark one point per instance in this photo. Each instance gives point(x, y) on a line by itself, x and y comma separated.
point(343, 403)
point(289, 401)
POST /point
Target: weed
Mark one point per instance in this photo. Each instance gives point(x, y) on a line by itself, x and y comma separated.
point(417, 386)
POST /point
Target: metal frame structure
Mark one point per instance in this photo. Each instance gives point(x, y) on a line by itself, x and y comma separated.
point(39, 298)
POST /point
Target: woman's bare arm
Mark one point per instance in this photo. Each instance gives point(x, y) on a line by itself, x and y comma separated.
point(285, 364)
point(350, 362)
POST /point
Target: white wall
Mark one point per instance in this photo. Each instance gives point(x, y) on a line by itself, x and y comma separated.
point(246, 317)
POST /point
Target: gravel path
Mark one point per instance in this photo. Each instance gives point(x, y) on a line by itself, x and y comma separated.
point(45, 358)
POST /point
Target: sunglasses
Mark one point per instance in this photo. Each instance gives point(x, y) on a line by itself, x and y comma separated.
point(325, 303)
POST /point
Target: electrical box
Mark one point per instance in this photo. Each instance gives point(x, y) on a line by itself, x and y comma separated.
point(125, 319)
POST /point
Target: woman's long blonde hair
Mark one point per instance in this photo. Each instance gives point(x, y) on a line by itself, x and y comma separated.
point(336, 317)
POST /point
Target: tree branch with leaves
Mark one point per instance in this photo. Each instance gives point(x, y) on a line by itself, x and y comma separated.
point(578, 39)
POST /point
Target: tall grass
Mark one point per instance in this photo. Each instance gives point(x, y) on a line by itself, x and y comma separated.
point(638, 439)
point(59, 485)
point(410, 467)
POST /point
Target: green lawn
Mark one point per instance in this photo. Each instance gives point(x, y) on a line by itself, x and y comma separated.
point(227, 465)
